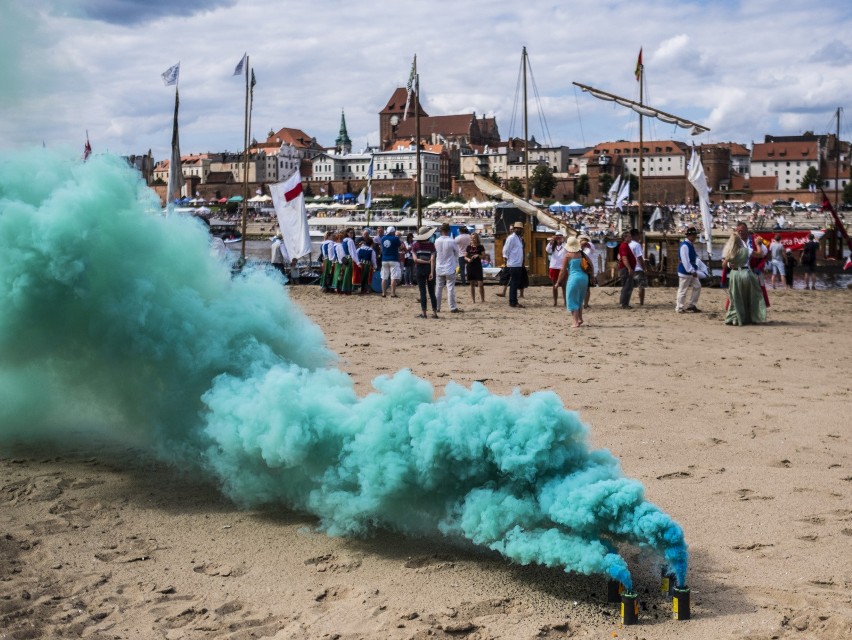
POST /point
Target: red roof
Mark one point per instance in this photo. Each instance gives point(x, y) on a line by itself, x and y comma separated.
point(625, 148)
point(784, 151)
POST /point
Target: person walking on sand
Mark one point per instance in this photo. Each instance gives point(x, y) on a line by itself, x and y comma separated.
point(423, 251)
point(809, 256)
point(475, 274)
point(640, 275)
point(446, 261)
point(556, 250)
point(462, 241)
point(391, 273)
point(746, 304)
point(776, 261)
point(626, 269)
point(688, 274)
point(513, 254)
point(576, 278)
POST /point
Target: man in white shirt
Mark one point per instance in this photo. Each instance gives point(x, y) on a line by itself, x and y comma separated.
point(556, 249)
point(640, 278)
point(446, 261)
point(462, 242)
point(513, 254)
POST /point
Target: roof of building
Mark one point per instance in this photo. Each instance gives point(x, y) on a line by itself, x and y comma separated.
point(453, 125)
point(735, 148)
point(740, 182)
point(651, 147)
point(396, 104)
point(785, 151)
point(288, 135)
point(220, 177)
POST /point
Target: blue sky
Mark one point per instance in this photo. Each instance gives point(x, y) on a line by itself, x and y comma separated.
point(744, 69)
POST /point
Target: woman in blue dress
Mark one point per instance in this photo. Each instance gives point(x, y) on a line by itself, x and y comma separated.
point(577, 277)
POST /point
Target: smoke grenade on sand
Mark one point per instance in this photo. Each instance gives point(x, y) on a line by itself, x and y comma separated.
point(114, 318)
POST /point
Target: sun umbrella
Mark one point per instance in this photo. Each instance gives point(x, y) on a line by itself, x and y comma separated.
point(235, 199)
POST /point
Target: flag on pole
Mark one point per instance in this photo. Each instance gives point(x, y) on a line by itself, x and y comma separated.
point(289, 203)
point(238, 70)
point(639, 66)
point(170, 75)
point(410, 86)
point(623, 194)
point(175, 170)
point(699, 182)
point(87, 150)
point(612, 194)
point(362, 197)
point(253, 81)
point(369, 184)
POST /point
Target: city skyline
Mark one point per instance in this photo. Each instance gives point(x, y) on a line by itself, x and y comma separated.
point(744, 69)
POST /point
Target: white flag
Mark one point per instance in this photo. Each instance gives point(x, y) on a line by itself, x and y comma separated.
point(612, 194)
point(410, 86)
point(170, 75)
point(362, 197)
point(624, 194)
point(289, 203)
point(240, 66)
point(699, 181)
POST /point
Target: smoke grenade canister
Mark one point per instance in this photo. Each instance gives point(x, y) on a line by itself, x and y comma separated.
point(680, 603)
point(630, 608)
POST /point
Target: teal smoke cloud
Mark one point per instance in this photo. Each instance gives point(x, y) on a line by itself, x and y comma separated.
point(116, 318)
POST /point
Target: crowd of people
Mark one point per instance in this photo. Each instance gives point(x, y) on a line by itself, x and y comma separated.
point(350, 263)
point(380, 261)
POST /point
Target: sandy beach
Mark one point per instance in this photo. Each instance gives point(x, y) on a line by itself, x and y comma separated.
point(741, 434)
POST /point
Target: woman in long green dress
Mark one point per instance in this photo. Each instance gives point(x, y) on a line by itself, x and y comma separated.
point(745, 300)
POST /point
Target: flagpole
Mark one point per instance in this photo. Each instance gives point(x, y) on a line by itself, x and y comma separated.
point(245, 170)
point(638, 224)
point(417, 140)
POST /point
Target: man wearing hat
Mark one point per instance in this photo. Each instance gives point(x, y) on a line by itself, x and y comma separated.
point(513, 254)
point(556, 249)
point(423, 252)
point(687, 274)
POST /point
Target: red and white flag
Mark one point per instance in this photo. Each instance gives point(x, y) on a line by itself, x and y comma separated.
point(289, 203)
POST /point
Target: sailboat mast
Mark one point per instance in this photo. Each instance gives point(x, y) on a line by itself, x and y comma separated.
point(417, 143)
point(526, 132)
point(638, 222)
point(245, 169)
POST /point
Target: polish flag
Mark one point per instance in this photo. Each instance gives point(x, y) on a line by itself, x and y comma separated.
point(289, 203)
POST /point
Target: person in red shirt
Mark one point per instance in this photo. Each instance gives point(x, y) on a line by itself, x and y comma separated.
point(626, 269)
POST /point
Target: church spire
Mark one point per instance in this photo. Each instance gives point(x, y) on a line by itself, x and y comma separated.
point(343, 143)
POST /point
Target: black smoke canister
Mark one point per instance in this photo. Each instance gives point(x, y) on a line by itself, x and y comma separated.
point(629, 608)
point(613, 591)
point(680, 603)
point(667, 582)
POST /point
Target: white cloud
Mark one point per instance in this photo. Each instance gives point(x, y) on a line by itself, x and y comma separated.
point(743, 68)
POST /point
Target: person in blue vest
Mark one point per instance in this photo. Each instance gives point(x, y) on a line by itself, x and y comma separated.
point(689, 283)
point(391, 271)
point(367, 261)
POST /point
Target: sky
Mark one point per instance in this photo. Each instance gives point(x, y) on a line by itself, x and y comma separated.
point(743, 68)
